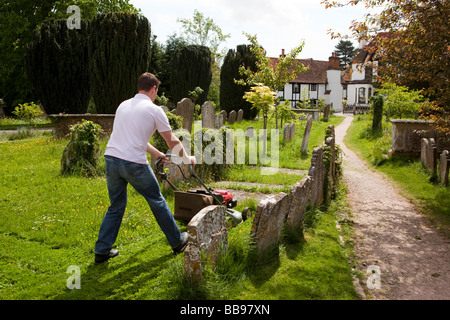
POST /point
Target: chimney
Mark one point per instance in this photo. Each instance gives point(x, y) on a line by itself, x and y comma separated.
point(334, 62)
point(282, 53)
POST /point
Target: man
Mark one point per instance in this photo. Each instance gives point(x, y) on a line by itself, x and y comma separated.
point(126, 162)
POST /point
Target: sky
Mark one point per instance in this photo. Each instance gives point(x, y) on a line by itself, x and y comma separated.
point(277, 24)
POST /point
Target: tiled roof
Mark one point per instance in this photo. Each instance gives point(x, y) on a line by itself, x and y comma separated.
point(316, 73)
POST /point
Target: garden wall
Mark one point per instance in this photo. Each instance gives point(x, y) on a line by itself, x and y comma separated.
point(63, 122)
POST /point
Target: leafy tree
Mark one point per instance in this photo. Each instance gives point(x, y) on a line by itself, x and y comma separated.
point(399, 101)
point(19, 19)
point(191, 68)
point(202, 31)
point(272, 74)
point(231, 93)
point(345, 51)
point(119, 52)
point(412, 43)
point(57, 64)
point(262, 98)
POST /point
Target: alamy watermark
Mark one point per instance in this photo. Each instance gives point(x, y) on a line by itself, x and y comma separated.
point(74, 21)
point(214, 146)
point(74, 280)
point(374, 279)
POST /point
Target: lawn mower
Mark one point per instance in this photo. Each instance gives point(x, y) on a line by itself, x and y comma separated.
point(189, 203)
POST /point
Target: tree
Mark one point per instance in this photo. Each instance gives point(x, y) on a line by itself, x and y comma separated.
point(119, 50)
point(345, 51)
point(57, 65)
point(19, 19)
point(272, 74)
point(202, 31)
point(191, 68)
point(231, 93)
point(262, 98)
point(399, 101)
point(412, 43)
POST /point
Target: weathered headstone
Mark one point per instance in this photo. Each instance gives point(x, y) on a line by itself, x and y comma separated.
point(292, 129)
point(300, 197)
point(232, 117)
point(250, 132)
point(208, 116)
point(224, 115)
point(287, 132)
point(185, 109)
point(326, 112)
point(208, 238)
point(240, 115)
point(428, 154)
point(304, 147)
point(270, 216)
point(317, 173)
point(444, 166)
point(218, 121)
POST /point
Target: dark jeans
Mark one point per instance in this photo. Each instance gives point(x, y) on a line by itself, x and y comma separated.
point(118, 174)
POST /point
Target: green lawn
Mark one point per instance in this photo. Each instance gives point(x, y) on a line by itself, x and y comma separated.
point(49, 222)
point(432, 198)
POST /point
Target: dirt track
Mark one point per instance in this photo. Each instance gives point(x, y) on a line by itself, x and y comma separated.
point(412, 257)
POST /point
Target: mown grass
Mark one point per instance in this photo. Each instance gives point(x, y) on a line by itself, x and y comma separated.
point(408, 173)
point(49, 222)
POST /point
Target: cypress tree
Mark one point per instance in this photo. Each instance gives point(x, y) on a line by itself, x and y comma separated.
point(57, 65)
point(231, 94)
point(191, 68)
point(377, 103)
point(119, 50)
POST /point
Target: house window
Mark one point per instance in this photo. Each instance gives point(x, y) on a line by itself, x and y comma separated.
point(296, 88)
point(313, 87)
point(362, 95)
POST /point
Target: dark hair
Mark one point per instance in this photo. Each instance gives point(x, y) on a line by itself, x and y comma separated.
point(147, 81)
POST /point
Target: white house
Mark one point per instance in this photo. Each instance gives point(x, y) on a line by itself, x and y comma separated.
point(324, 79)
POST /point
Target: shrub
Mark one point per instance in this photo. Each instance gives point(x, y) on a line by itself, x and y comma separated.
point(119, 52)
point(28, 112)
point(57, 65)
point(191, 68)
point(80, 157)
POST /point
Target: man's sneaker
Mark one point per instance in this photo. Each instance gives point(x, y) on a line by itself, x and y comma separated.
point(182, 245)
point(100, 258)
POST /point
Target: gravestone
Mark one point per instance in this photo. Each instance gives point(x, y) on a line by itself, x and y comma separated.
point(317, 173)
point(185, 109)
point(208, 116)
point(304, 147)
point(300, 196)
point(224, 115)
point(232, 117)
point(444, 165)
point(292, 129)
point(250, 132)
point(326, 112)
point(428, 154)
point(268, 222)
point(208, 238)
point(240, 115)
point(218, 121)
point(287, 132)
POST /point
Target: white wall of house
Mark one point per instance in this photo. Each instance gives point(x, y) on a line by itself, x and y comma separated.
point(359, 93)
point(335, 87)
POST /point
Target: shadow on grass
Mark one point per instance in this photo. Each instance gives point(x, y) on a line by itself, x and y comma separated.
point(113, 280)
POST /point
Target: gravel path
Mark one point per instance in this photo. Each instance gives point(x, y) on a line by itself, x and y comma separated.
point(409, 258)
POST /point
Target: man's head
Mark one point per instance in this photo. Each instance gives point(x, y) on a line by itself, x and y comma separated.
point(148, 84)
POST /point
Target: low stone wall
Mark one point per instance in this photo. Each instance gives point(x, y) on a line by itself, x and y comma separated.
point(63, 122)
point(407, 136)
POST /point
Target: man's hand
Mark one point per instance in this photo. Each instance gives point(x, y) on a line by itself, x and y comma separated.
point(193, 160)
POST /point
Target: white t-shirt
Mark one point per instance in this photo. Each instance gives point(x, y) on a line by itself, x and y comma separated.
point(134, 124)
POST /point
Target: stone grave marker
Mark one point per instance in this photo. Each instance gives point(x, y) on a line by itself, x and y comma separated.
point(428, 154)
point(287, 132)
point(185, 109)
point(224, 115)
point(232, 117)
point(218, 123)
point(208, 116)
point(304, 147)
point(444, 166)
point(240, 115)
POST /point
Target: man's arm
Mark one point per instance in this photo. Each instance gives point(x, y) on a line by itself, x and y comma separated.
point(176, 146)
point(156, 154)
